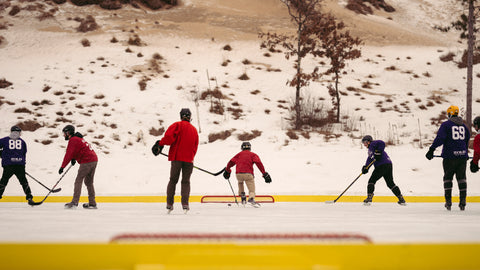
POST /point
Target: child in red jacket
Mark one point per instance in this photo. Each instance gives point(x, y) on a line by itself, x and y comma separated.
point(244, 172)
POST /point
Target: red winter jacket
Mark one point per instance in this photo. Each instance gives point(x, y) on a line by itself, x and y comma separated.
point(183, 140)
point(79, 150)
point(476, 149)
point(244, 161)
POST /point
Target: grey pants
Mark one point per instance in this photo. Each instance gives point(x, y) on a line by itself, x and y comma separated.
point(86, 174)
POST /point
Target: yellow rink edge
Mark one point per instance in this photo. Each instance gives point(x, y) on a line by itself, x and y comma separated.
point(211, 256)
point(278, 198)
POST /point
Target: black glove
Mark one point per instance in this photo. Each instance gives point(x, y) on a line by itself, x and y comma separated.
point(473, 167)
point(73, 162)
point(60, 171)
point(377, 154)
point(429, 154)
point(226, 175)
point(267, 178)
point(157, 149)
point(364, 169)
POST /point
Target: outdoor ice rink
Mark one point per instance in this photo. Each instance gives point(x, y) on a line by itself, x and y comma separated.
point(416, 236)
point(381, 222)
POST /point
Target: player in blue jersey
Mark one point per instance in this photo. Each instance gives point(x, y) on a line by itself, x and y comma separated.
point(454, 135)
point(13, 151)
point(383, 168)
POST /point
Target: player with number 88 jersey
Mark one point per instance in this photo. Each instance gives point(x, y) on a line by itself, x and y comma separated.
point(454, 135)
point(13, 151)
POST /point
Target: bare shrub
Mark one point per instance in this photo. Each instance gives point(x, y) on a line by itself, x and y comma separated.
point(111, 4)
point(427, 74)
point(227, 48)
point(236, 112)
point(292, 135)
point(246, 136)
point(244, 77)
point(22, 110)
point(143, 84)
point(313, 113)
point(447, 57)
point(223, 135)
point(136, 41)
point(463, 62)
point(46, 142)
point(29, 125)
point(88, 24)
point(85, 42)
point(246, 62)
point(4, 83)
point(156, 132)
point(391, 68)
point(14, 10)
point(2, 39)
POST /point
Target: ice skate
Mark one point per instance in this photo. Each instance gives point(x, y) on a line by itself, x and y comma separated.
point(401, 200)
point(448, 206)
point(368, 200)
point(185, 209)
point(462, 205)
point(89, 206)
point(244, 198)
point(71, 205)
point(252, 202)
point(169, 209)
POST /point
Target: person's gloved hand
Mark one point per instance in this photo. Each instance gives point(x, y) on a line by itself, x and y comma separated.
point(364, 169)
point(73, 161)
point(226, 175)
point(429, 154)
point(267, 178)
point(60, 171)
point(157, 149)
point(473, 167)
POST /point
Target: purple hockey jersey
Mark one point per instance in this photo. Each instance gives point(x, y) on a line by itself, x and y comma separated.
point(379, 146)
point(14, 151)
point(454, 136)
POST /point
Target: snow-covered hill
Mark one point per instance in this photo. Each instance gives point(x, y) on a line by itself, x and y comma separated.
point(392, 92)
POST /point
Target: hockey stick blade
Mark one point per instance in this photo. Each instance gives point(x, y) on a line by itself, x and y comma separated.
point(329, 202)
point(56, 190)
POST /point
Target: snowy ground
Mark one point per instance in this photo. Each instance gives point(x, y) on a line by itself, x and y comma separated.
point(96, 89)
point(381, 222)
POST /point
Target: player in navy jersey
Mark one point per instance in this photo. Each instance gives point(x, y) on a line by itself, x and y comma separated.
point(383, 168)
point(13, 151)
point(454, 135)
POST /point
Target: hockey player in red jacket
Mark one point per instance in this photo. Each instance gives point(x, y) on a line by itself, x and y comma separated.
point(244, 172)
point(182, 137)
point(79, 150)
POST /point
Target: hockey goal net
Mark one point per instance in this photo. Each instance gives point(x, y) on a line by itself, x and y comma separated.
point(231, 199)
point(241, 237)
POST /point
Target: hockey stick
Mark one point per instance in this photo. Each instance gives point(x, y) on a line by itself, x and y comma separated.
point(32, 203)
point(234, 196)
point(334, 201)
point(51, 190)
point(214, 174)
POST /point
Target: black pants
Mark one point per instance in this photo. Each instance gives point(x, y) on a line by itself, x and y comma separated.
point(385, 171)
point(455, 167)
point(186, 169)
point(19, 172)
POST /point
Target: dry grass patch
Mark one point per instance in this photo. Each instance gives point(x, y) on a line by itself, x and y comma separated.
point(248, 136)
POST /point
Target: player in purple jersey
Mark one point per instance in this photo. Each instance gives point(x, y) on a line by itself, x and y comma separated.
point(13, 151)
point(383, 168)
point(454, 135)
